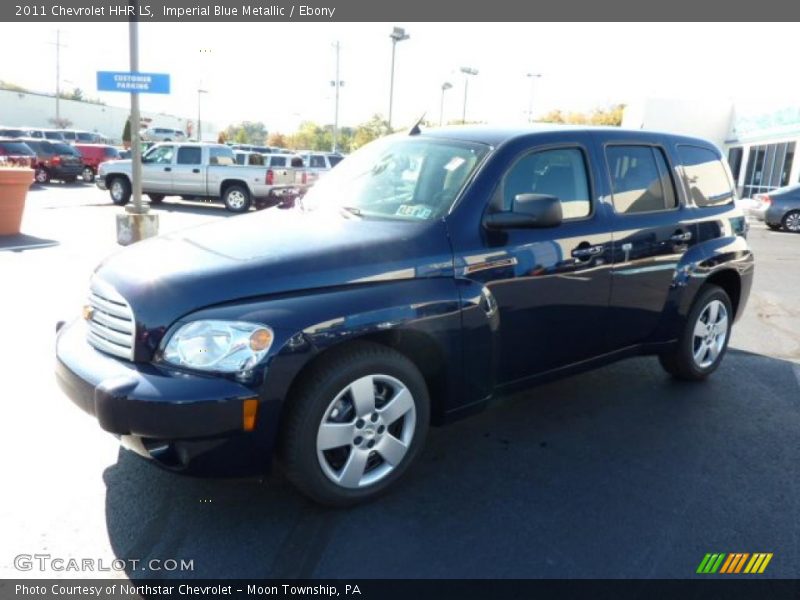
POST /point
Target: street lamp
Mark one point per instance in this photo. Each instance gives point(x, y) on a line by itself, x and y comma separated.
point(467, 71)
point(533, 77)
point(445, 86)
point(336, 83)
point(398, 35)
point(200, 93)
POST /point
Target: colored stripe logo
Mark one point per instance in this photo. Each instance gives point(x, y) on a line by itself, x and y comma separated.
point(734, 562)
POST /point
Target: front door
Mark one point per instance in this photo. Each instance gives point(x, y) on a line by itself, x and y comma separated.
point(157, 168)
point(550, 285)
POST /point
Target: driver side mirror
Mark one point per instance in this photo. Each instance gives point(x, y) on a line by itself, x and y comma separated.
point(528, 211)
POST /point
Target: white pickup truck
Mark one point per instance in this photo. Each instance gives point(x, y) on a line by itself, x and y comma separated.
point(201, 171)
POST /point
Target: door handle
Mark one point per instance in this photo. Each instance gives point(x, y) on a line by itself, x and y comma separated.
point(681, 236)
point(584, 252)
point(168, 168)
point(195, 170)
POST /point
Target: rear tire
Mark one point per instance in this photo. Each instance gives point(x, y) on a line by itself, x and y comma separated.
point(41, 175)
point(88, 174)
point(119, 188)
point(704, 339)
point(774, 227)
point(355, 425)
point(237, 199)
point(791, 221)
point(156, 198)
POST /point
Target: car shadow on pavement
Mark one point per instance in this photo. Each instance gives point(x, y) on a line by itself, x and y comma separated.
point(20, 242)
point(619, 472)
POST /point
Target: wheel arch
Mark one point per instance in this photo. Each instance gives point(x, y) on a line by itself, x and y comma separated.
point(730, 281)
point(227, 183)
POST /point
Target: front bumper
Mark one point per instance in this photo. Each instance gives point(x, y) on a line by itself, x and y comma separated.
point(182, 421)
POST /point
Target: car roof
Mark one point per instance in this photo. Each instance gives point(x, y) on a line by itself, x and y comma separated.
point(494, 136)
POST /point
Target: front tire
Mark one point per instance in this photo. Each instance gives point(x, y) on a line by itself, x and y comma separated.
point(704, 340)
point(791, 221)
point(119, 188)
point(156, 198)
point(355, 425)
point(237, 199)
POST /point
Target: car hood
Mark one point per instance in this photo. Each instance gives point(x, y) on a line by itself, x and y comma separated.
point(266, 253)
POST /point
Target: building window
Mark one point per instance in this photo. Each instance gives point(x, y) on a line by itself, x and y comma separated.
point(735, 161)
point(768, 167)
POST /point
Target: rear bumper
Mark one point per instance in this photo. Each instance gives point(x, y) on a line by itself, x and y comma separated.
point(182, 421)
point(65, 171)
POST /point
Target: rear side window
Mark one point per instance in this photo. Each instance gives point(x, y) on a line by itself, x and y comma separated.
point(15, 148)
point(219, 155)
point(640, 180)
point(706, 177)
point(278, 161)
point(190, 156)
point(317, 162)
point(334, 160)
point(240, 158)
point(560, 173)
point(111, 152)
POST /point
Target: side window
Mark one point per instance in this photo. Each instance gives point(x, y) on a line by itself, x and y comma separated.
point(278, 161)
point(190, 155)
point(560, 173)
point(256, 160)
point(317, 162)
point(239, 158)
point(162, 155)
point(640, 179)
point(219, 155)
point(706, 177)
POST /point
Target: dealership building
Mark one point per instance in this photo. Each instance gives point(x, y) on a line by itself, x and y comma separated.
point(759, 139)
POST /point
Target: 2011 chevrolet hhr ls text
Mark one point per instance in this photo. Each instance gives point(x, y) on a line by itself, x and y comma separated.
point(426, 274)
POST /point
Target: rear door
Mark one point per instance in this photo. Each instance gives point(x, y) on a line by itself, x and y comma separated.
point(188, 176)
point(652, 230)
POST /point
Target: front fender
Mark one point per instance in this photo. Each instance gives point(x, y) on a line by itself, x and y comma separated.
point(308, 323)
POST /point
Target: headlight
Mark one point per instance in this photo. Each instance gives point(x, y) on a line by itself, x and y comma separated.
point(227, 346)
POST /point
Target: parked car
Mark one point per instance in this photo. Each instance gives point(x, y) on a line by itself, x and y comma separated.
point(438, 271)
point(93, 155)
point(13, 132)
point(46, 134)
point(200, 171)
point(163, 134)
point(17, 153)
point(779, 209)
point(54, 160)
point(75, 136)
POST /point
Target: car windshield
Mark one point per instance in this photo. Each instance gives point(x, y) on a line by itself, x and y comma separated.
point(404, 178)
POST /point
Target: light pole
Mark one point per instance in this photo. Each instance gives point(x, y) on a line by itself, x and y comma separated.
point(467, 71)
point(445, 86)
point(336, 83)
point(398, 35)
point(200, 92)
point(533, 77)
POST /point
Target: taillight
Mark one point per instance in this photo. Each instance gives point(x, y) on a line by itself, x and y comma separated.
point(270, 177)
point(766, 199)
point(305, 178)
point(56, 160)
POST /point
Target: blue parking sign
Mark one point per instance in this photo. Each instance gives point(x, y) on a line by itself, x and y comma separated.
point(132, 83)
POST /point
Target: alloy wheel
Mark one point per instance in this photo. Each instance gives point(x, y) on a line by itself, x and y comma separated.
point(710, 334)
point(117, 191)
point(236, 199)
point(366, 431)
point(792, 222)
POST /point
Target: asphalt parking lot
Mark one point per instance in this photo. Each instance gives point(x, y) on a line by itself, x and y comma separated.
point(620, 472)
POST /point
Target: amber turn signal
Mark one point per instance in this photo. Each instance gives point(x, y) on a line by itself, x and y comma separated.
point(260, 340)
point(249, 411)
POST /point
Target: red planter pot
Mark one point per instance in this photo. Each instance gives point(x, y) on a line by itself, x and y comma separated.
point(14, 184)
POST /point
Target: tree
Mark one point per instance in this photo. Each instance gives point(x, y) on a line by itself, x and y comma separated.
point(126, 132)
point(611, 115)
point(13, 87)
point(222, 138)
point(247, 132)
point(277, 139)
point(364, 133)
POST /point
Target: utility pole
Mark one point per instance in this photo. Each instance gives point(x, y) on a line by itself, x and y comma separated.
point(467, 71)
point(533, 77)
point(445, 86)
point(58, 46)
point(200, 92)
point(398, 35)
point(336, 83)
point(137, 223)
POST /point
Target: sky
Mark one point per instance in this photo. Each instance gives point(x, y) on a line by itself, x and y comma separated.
point(281, 73)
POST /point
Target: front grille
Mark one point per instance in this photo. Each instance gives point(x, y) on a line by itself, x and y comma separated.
point(111, 323)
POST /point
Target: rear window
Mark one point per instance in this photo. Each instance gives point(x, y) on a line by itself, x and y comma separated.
point(62, 148)
point(85, 137)
point(111, 152)
point(278, 161)
point(706, 177)
point(16, 148)
point(335, 160)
